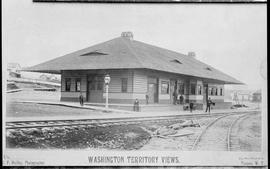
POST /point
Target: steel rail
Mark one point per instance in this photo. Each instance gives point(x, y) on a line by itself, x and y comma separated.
point(197, 140)
point(76, 122)
point(229, 135)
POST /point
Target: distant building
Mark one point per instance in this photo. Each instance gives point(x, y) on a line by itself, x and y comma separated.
point(14, 70)
point(49, 77)
point(138, 71)
point(245, 96)
point(257, 96)
point(43, 77)
point(242, 95)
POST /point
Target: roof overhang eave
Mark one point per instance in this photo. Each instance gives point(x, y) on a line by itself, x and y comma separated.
point(234, 83)
point(43, 71)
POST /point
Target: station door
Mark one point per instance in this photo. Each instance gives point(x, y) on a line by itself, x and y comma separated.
point(153, 90)
point(95, 88)
point(205, 93)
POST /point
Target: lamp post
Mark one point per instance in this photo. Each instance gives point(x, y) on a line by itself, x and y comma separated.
point(107, 80)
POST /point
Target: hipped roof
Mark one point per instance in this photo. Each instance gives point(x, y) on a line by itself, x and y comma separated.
point(123, 53)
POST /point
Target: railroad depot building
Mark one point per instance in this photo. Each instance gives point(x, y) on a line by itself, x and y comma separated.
point(136, 70)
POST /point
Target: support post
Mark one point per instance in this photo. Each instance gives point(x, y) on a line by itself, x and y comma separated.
point(107, 96)
point(107, 81)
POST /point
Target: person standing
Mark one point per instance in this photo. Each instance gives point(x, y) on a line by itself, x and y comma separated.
point(208, 105)
point(191, 106)
point(136, 106)
point(181, 99)
point(81, 99)
point(147, 98)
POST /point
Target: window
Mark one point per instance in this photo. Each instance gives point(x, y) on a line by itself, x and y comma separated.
point(221, 92)
point(199, 89)
point(68, 84)
point(213, 91)
point(182, 88)
point(124, 82)
point(164, 87)
point(210, 91)
point(78, 85)
point(192, 89)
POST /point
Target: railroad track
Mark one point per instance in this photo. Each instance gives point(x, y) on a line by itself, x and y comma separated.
point(218, 134)
point(101, 122)
point(232, 138)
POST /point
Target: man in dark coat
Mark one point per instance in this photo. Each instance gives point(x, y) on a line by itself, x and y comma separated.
point(136, 106)
point(147, 98)
point(208, 105)
point(81, 99)
point(181, 99)
point(191, 106)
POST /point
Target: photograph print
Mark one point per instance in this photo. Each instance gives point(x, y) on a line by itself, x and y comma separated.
point(133, 78)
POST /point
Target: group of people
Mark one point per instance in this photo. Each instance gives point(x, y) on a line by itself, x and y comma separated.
point(178, 98)
point(208, 105)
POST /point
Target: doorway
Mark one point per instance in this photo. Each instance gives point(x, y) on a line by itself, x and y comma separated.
point(153, 90)
point(173, 89)
point(95, 87)
point(205, 93)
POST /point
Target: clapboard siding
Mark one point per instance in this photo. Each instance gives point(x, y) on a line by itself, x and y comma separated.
point(136, 88)
point(63, 81)
point(116, 81)
point(73, 87)
point(72, 94)
point(84, 83)
point(140, 82)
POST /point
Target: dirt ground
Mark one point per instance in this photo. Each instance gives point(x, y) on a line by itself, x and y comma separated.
point(15, 109)
point(177, 143)
point(115, 137)
point(29, 94)
point(249, 133)
point(119, 137)
point(141, 136)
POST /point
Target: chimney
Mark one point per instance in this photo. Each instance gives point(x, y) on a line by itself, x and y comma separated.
point(128, 35)
point(192, 54)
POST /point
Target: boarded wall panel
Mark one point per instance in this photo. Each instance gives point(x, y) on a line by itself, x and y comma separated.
point(73, 94)
point(140, 82)
point(116, 81)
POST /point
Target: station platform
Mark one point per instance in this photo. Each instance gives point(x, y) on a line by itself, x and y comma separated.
point(103, 113)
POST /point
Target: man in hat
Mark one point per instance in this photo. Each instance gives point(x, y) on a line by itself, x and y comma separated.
point(81, 99)
point(208, 105)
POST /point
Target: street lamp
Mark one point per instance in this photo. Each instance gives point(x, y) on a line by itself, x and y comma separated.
point(107, 80)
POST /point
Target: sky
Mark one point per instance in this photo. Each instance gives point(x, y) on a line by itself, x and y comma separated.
point(229, 37)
